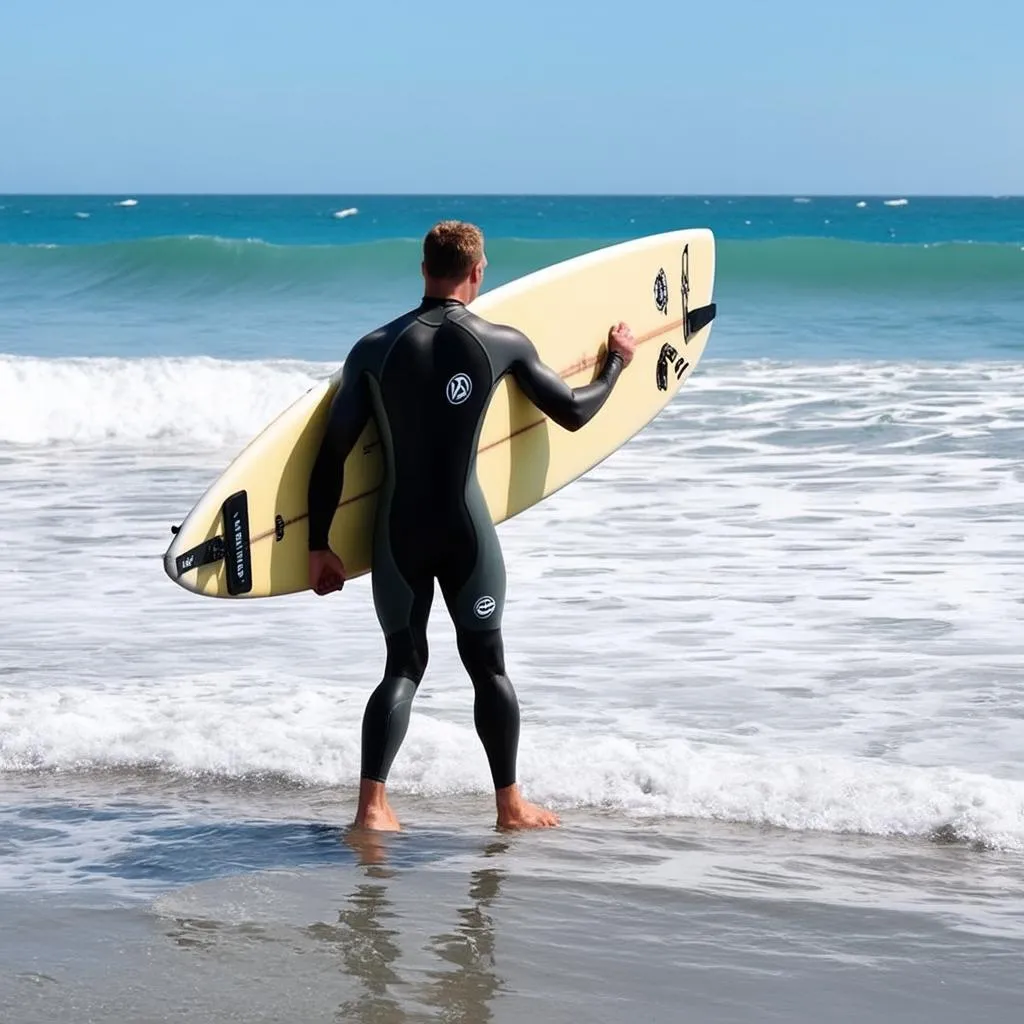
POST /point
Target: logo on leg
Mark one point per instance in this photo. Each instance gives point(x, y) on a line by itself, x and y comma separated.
point(484, 607)
point(460, 387)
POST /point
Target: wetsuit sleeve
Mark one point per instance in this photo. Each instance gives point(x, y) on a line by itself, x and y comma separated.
point(346, 418)
point(570, 408)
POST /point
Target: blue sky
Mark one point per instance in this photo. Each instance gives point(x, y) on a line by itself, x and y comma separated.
point(653, 96)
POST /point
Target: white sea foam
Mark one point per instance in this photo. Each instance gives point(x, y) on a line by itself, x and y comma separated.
point(793, 600)
point(311, 734)
point(142, 401)
point(350, 211)
point(202, 399)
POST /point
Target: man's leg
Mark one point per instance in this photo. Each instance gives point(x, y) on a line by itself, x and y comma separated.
point(495, 707)
point(473, 584)
point(496, 717)
point(386, 720)
point(403, 608)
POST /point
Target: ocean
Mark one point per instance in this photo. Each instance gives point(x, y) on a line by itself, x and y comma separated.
point(770, 654)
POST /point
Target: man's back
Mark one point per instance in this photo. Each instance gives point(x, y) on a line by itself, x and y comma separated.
point(427, 378)
point(430, 393)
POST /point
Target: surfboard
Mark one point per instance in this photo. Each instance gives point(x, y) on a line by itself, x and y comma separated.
point(247, 534)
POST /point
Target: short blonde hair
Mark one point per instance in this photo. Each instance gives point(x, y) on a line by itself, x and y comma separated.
point(450, 249)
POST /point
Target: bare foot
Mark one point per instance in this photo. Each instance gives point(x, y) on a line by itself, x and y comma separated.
point(378, 819)
point(374, 811)
point(515, 812)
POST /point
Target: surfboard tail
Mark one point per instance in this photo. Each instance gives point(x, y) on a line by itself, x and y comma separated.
point(229, 550)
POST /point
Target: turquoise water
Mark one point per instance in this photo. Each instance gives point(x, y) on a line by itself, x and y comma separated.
point(251, 277)
point(769, 653)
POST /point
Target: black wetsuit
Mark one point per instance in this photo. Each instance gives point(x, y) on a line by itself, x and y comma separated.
point(427, 379)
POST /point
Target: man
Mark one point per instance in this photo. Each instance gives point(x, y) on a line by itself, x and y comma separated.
point(427, 378)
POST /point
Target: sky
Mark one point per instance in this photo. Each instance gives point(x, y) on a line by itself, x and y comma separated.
point(537, 96)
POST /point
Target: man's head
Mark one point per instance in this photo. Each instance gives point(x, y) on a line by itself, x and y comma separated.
point(454, 260)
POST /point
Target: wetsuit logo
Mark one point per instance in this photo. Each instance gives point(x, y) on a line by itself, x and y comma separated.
point(661, 292)
point(484, 607)
point(459, 388)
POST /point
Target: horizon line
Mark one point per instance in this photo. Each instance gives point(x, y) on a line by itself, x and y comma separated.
point(528, 195)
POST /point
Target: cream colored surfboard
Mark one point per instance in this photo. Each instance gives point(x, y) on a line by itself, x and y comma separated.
point(247, 536)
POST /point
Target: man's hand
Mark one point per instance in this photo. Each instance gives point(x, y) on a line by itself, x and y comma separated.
point(621, 340)
point(326, 572)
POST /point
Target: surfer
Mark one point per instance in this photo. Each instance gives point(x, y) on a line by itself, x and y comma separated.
point(427, 378)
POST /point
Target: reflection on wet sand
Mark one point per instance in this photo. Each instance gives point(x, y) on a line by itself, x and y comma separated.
point(368, 940)
point(386, 979)
point(465, 992)
point(368, 950)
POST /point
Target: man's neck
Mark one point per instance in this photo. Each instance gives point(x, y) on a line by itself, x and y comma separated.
point(443, 292)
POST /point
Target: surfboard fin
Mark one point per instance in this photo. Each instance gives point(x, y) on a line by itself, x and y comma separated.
point(697, 319)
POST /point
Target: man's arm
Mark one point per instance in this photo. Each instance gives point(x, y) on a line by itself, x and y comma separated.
point(570, 408)
point(349, 411)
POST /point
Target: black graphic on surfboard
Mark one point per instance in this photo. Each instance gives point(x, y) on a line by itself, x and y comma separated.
point(696, 319)
point(661, 292)
point(669, 356)
point(685, 285)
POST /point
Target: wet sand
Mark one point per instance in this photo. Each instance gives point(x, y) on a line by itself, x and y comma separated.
point(604, 920)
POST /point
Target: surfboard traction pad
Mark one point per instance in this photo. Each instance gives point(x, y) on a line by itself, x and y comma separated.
point(233, 547)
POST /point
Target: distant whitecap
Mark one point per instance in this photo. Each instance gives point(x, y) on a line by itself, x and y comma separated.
point(861, 204)
point(127, 202)
point(350, 211)
point(896, 202)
